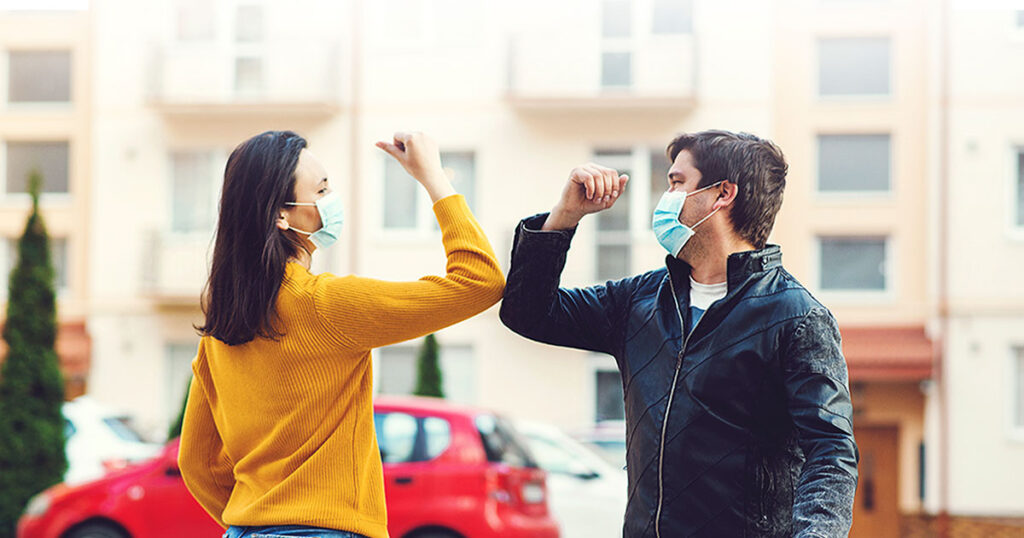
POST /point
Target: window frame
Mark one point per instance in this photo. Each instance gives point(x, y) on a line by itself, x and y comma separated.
point(596, 364)
point(652, 18)
point(10, 246)
point(1015, 391)
point(891, 95)
point(618, 45)
point(5, 68)
point(1015, 229)
point(425, 227)
point(445, 362)
point(853, 195)
point(217, 155)
point(854, 296)
point(18, 199)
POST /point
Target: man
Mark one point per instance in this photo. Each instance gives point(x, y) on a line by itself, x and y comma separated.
point(737, 402)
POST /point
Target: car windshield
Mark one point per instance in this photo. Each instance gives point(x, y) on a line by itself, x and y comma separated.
point(123, 428)
point(554, 456)
point(502, 443)
point(612, 450)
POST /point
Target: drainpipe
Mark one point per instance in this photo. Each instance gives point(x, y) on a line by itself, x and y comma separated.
point(943, 520)
point(355, 122)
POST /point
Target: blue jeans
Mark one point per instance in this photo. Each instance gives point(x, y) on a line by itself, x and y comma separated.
point(286, 531)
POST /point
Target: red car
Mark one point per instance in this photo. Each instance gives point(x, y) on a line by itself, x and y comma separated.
point(449, 472)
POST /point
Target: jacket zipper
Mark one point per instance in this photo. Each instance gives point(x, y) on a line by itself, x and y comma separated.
point(668, 408)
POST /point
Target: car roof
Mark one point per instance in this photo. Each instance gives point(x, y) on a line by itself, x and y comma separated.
point(422, 404)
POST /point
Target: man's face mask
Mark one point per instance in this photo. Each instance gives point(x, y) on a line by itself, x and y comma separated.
point(332, 215)
point(672, 234)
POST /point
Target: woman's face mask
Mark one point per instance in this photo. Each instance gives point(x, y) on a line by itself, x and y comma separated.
point(672, 234)
point(332, 215)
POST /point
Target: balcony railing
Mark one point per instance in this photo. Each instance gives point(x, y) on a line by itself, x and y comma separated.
point(175, 267)
point(206, 78)
point(656, 74)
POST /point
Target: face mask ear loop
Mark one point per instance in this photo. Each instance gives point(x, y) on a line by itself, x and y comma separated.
point(711, 186)
point(701, 221)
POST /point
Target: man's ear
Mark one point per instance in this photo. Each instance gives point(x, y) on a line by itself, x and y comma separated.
point(727, 192)
point(282, 222)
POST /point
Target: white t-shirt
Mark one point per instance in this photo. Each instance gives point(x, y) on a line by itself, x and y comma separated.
point(701, 297)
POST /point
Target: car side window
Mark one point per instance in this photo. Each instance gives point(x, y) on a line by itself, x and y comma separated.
point(501, 443)
point(69, 429)
point(551, 457)
point(396, 436)
point(123, 428)
point(438, 436)
point(403, 438)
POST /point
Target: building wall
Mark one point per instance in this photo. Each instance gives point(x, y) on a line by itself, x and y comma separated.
point(64, 213)
point(803, 111)
point(985, 248)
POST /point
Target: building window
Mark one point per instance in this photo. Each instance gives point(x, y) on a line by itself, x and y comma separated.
point(195, 20)
point(1019, 217)
point(396, 370)
point(854, 163)
point(616, 53)
point(660, 166)
point(397, 365)
point(1018, 389)
point(616, 18)
point(58, 257)
point(51, 159)
point(193, 191)
point(249, 23)
point(39, 76)
point(407, 205)
point(400, 197)
point(614, 250)
point(248, 75)
point(673, 17)
point(616, 69)
point(854, 66)
point(853, 263)
point(178, 375)
point(609, 396)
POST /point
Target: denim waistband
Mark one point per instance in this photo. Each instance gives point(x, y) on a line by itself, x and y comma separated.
point(286, 531)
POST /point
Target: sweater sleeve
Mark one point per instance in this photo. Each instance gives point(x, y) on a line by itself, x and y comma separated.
point(373, 313)
point(205, 466)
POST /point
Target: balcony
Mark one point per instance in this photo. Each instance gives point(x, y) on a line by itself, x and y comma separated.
point(279, 78)
point(657, 74)
point(175, 267)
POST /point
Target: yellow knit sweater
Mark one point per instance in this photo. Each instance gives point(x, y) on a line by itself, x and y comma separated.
point(281, 432)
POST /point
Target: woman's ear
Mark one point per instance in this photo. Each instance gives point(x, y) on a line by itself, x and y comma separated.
point(282, 222)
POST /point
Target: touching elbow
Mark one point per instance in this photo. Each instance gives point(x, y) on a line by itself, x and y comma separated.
point(494, 286)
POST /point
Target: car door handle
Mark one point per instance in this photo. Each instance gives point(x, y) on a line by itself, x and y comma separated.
point(403, 480)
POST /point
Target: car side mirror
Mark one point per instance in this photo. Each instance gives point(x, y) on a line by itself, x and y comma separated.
point(582, 472)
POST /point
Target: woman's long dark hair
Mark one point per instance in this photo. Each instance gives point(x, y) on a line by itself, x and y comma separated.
point(250, 253)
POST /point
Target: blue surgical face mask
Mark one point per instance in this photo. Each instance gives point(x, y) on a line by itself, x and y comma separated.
point(671, 233)
point(332, 215)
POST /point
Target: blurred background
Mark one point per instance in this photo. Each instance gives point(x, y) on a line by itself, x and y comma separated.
point(902, 121)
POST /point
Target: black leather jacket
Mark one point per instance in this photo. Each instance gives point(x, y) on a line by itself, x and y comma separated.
point(742, 427)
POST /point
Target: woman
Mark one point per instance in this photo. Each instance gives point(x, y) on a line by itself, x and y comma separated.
point(278, 437)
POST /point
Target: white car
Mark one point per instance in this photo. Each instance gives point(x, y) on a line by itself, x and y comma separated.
point(587, 495)
point(99, 440)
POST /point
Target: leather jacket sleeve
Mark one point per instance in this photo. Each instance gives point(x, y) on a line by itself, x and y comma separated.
point(535, 307)
point(819, 403)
